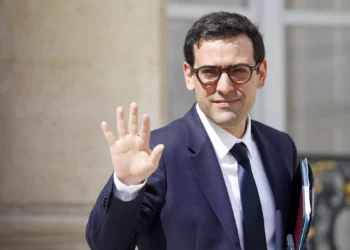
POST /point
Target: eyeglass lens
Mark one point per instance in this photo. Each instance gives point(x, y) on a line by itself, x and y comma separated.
point(210, 74)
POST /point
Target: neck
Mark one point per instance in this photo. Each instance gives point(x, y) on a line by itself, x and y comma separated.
point(239, 129)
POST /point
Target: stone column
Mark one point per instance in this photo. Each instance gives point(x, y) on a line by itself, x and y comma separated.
point(64, 67)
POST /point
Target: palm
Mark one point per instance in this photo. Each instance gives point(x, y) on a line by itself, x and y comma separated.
point(132, 159)
point(130, 152)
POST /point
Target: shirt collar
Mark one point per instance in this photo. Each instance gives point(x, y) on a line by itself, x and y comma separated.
point(222, 140)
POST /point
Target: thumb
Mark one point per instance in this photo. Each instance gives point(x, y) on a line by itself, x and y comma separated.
point(157, 154)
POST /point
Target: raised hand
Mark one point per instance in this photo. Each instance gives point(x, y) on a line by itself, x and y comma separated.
point(133, 160)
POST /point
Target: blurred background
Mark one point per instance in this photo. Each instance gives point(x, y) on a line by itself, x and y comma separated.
point(66, 65)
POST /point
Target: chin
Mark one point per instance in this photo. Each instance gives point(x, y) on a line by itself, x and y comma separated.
point(226, 120)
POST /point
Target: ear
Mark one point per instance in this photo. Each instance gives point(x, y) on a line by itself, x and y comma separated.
point(189, 76)
point(262, 74)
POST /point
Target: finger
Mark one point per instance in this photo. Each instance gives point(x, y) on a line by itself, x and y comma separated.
point(121, 127)
point(145, 129)
point(108, 133)
point(133, 117)
point(157, 154)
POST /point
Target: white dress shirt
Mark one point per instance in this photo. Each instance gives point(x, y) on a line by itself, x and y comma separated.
point(222, 142)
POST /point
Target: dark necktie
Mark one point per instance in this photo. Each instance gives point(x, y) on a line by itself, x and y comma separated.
point(253, 220)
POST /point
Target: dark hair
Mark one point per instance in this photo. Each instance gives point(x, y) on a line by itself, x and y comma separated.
point(222, 24)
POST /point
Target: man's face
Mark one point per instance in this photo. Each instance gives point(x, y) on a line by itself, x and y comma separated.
point(226, 103)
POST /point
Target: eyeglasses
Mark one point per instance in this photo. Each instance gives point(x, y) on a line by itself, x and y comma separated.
point(239, 73)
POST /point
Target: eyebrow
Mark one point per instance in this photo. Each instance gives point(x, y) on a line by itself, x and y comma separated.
point(231, 65)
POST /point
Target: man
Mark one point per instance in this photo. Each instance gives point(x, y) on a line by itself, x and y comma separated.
point(214, 179)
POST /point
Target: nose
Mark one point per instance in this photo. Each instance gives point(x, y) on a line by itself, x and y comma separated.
point(224, 85)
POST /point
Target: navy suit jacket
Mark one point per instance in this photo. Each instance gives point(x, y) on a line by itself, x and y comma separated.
point(185, 203)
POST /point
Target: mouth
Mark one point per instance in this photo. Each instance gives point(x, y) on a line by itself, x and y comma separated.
point(226, 102)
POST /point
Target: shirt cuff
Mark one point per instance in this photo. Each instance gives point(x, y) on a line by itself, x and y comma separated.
point(124, 192)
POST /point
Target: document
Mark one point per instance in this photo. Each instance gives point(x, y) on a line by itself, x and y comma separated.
point(303, 183)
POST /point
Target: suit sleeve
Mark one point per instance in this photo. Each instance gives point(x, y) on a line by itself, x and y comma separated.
point(114, 224)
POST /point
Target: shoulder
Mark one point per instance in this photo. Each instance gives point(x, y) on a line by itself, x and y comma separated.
point(279, 137)
point(278, 141)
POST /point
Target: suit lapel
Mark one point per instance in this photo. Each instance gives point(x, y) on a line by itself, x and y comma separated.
point(269, 160)
point(209, 176)
point(208, 173)
point(277, 175)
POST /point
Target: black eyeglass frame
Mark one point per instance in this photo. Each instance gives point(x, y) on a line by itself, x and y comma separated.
point(227, 69)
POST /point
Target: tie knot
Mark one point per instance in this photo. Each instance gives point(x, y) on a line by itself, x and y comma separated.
point(239, 151)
